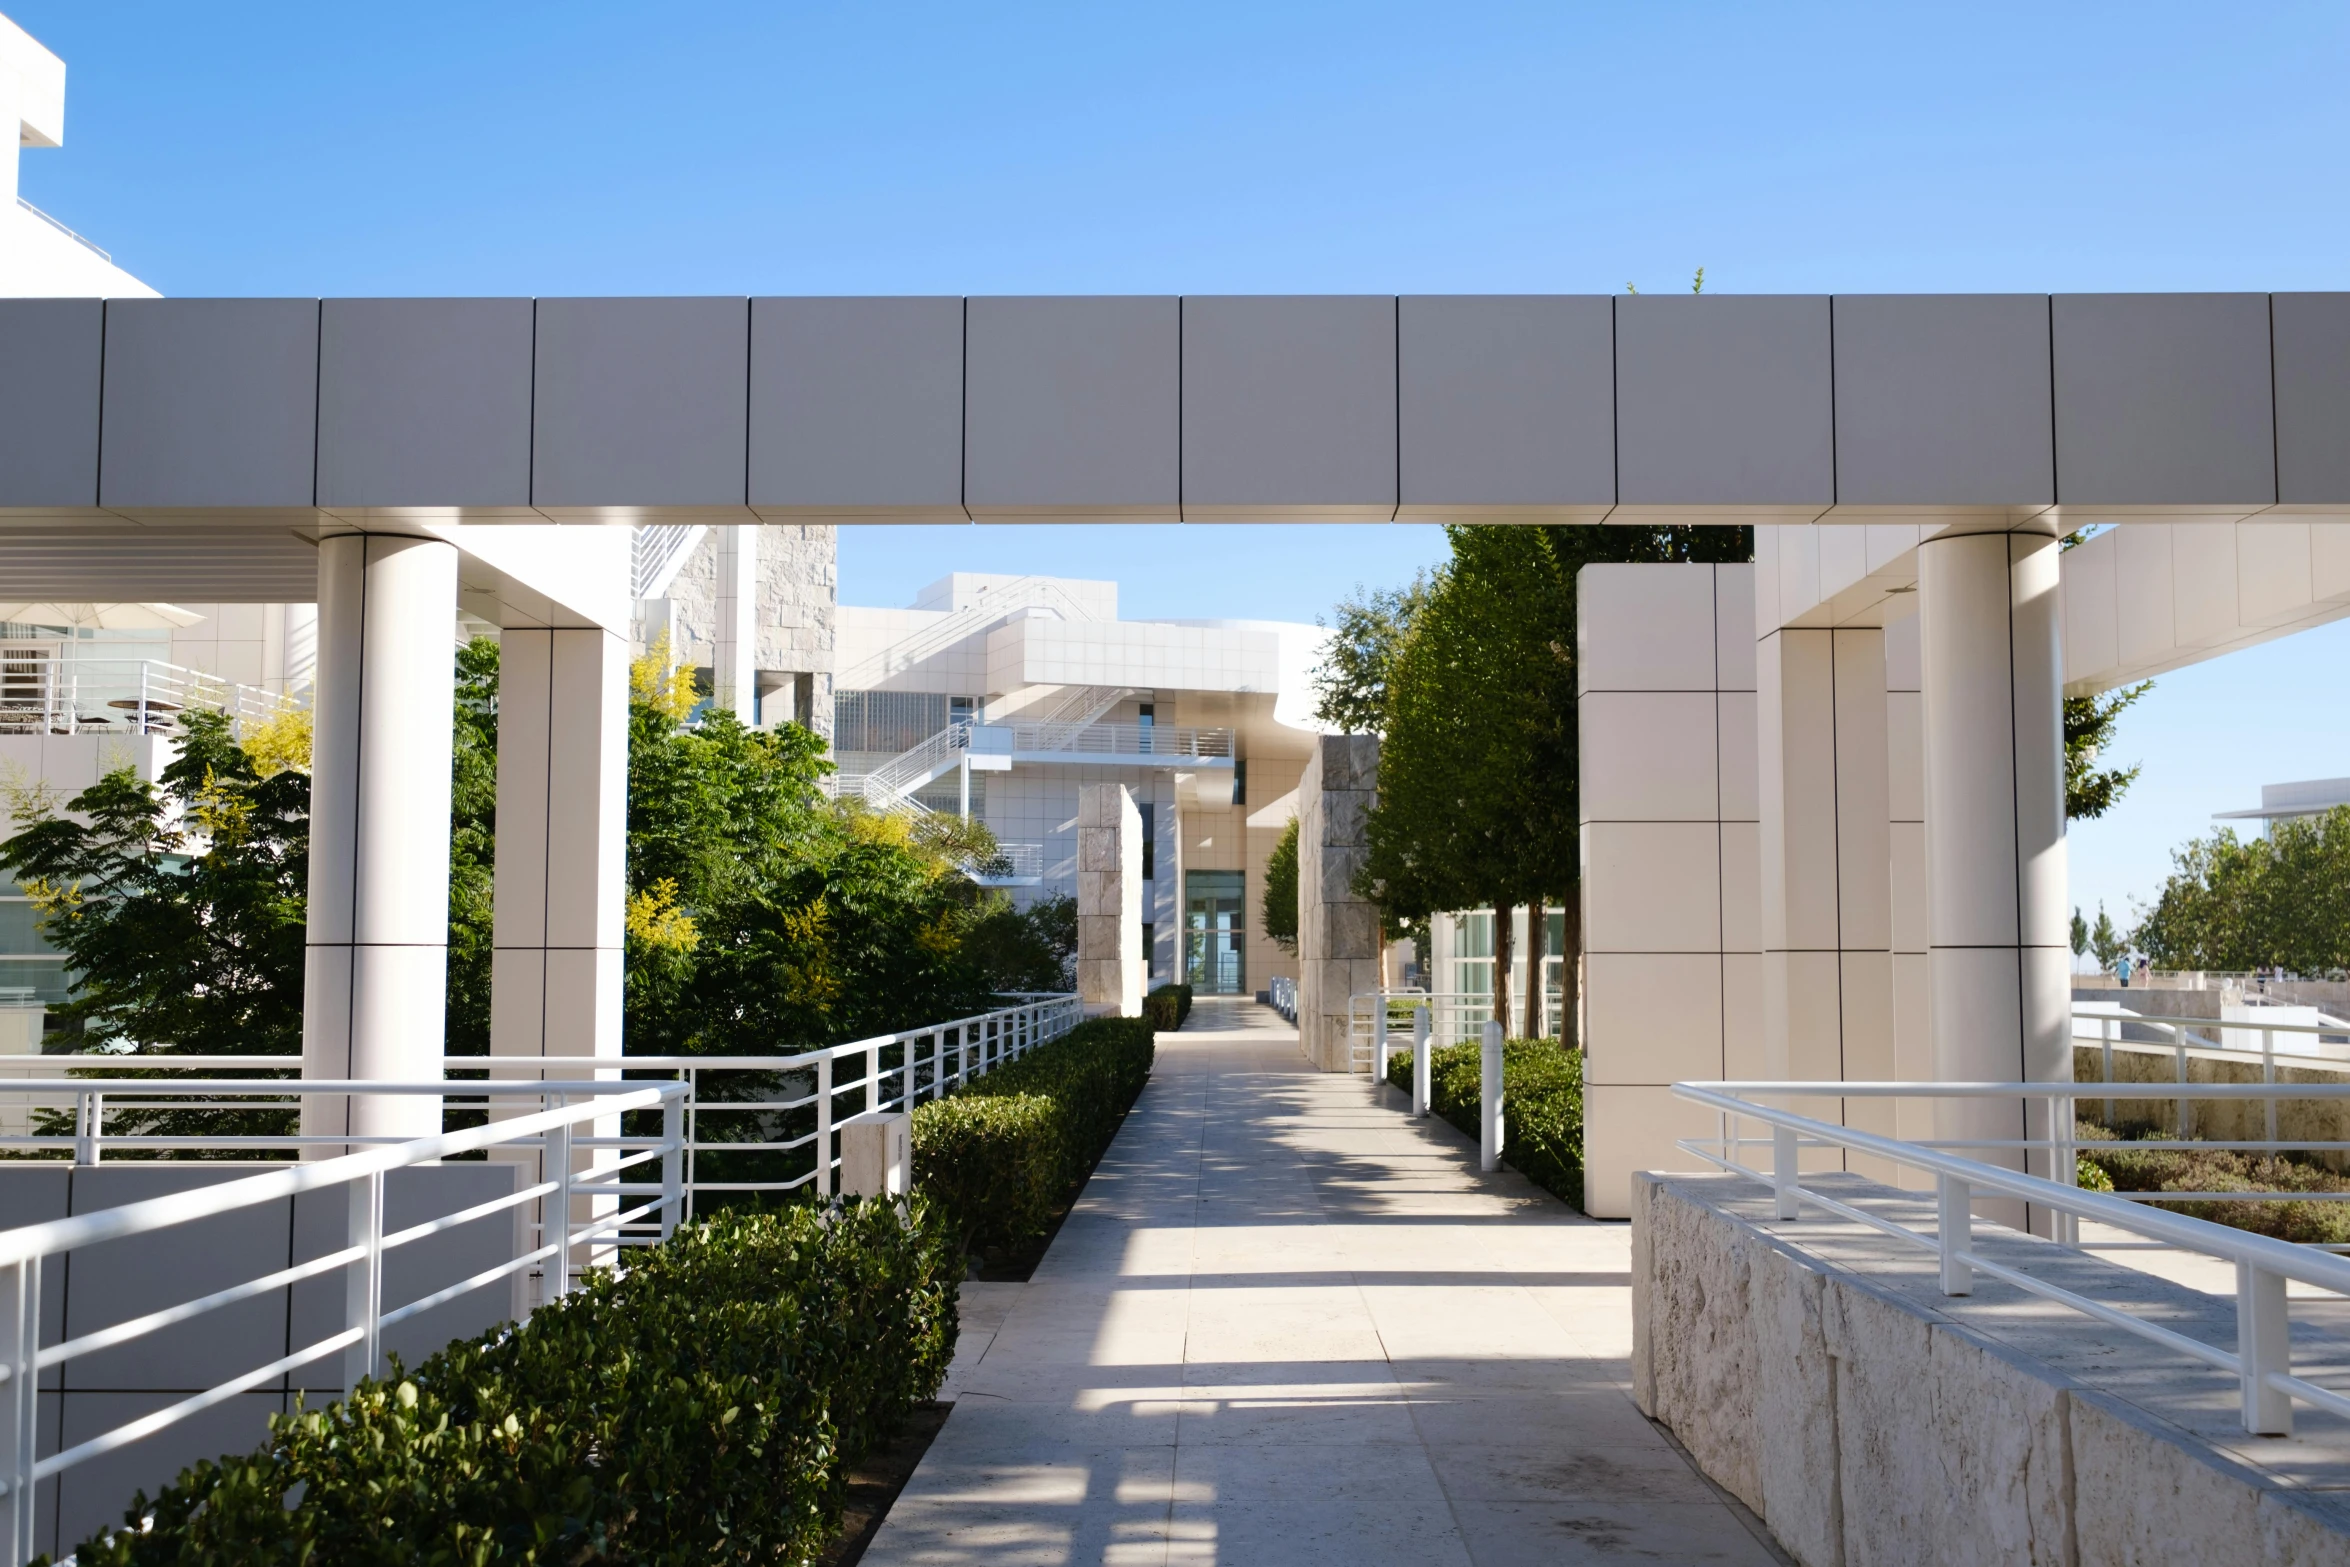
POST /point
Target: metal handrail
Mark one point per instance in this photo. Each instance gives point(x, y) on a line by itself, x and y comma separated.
point(932, 1062)
point(2262, 1360)
point(1210, 745)
point(59, 688)
point(612, 1222)
point(82, 240)
point(1029, 592)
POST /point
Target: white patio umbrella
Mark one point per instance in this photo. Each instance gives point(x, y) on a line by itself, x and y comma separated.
point(81, 618)
point(101, 617)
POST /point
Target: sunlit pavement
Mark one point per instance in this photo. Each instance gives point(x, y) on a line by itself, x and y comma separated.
point(1287, 1324)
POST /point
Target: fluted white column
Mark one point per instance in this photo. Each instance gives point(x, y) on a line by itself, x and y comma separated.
point(376, 969)
point(1998, 951)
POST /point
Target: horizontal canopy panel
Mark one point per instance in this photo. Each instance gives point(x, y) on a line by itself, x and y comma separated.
point(1536, 407)
point(120, 562)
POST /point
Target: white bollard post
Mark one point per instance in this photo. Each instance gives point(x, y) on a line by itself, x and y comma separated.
point(877, 1155)
point(1378, 1040)
point(20, 1341)
point(2263, 1347)
point(1954, 1214)
point(363, 1279)
point(1420, 1085)
point(1489, 1092)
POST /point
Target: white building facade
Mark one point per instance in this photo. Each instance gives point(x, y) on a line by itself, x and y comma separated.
point(1000, 697)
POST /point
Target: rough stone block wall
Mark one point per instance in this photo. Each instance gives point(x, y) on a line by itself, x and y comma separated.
point(1337, 932)
point(1110, 959)
point(799, 600)
point(1866, 1426)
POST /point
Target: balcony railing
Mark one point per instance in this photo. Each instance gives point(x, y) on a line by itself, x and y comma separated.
point(1122, 740)
point(52, 688)
point(595, 1183)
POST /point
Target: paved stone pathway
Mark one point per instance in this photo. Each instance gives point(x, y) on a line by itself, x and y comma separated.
point(1289, 1325)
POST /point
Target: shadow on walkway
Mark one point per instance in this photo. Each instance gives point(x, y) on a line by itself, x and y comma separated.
point(1288, 1324)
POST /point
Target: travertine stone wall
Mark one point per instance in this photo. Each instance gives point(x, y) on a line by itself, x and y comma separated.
point(799, 596)
point(1816, 1372)
point(1110, 959)
point(1337, 932)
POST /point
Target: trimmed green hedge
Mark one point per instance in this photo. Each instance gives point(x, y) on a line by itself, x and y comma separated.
point(1541, 1105)
point(1002, 1152)
point(1167, 1007)
point(705, 1407)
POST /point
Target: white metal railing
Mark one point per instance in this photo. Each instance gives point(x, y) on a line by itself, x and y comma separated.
point(589, 1180)
point(2262, 1357)
point(792, 1102)
point(887, 786)
point(53, 688)
point(2306, 1048)
point(1281, 991)
point(1018, 862)
point(656, 552)
point(1122, 740)
point(1004, 599)
point(566, 1232)
point(80, 239)
point(1454, 1018)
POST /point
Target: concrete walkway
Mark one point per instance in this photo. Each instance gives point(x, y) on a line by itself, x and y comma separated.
point(1286, 1325)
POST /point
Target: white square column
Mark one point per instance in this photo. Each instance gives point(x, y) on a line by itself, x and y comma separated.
point(1672, 963)
point(1110, 963)
point(1999, 954)
point(561, 890)
point(376, 960)
point(734, 660)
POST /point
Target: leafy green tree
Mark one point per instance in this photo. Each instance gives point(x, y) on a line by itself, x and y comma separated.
point(473, 835)
point(2088, 729)
point(178, 904)
point(1279, 902)
point(2080, 934)
point(2105, 941)
point(1477, 772)
point(2243, 903)
point(1350, 684)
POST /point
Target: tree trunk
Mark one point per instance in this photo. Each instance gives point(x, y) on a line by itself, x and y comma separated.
point(1571, 972)
point(1501, 965)
point(1537, 948)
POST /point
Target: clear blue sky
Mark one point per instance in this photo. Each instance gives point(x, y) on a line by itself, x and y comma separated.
point(771, 148)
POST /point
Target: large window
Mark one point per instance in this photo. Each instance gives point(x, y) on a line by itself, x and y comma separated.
point(1214, 960)
point(1150, 840)
point(889, 721)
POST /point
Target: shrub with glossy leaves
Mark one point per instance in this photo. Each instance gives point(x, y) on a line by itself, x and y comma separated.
point(1541, 1105)
point(705, 1407)
point(998, 1173)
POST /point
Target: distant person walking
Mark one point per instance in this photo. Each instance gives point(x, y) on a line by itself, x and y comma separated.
point(2121, 966)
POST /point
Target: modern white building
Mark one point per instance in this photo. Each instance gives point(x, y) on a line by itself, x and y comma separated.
point(2284, 802)
point(999, 697)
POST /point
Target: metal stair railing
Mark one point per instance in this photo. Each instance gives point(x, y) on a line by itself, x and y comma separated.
point(656, 554)
point(1018, 594)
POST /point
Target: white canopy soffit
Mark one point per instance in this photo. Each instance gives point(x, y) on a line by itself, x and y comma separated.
point(196, 448)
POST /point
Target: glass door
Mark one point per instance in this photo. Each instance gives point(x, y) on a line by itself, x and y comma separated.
point(1214, 959)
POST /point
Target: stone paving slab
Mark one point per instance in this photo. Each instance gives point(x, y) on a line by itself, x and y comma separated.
point(1288, 1324)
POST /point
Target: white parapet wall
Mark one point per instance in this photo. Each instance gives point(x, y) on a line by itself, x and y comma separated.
point(1815, 1372)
